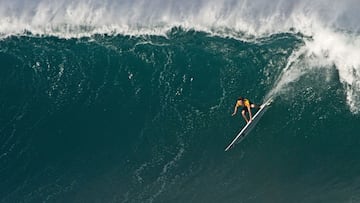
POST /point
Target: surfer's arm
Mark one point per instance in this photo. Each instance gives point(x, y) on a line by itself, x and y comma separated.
point(235, 110)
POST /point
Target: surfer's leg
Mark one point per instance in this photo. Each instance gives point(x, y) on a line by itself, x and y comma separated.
point(243, 113)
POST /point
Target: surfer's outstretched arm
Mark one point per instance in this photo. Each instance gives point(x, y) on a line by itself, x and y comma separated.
point(235, 110)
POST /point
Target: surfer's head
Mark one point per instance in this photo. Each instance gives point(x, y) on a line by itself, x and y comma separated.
point(240, 99)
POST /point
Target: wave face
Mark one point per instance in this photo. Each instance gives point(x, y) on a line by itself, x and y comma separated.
point(332, 28)
point(133, 100)
point(146, 119)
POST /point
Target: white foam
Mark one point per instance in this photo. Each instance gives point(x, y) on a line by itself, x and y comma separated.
point(342, 50)
point(65, 18)
point(327, 48)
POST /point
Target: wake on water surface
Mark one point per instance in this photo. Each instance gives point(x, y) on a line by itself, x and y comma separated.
point(139, 114)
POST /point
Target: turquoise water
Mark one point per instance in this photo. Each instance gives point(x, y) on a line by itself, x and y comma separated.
point(147, 119)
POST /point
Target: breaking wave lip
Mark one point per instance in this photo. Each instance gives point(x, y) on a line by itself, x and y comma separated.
point(69, 19)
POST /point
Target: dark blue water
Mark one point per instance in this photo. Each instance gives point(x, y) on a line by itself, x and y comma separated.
point(147, 119)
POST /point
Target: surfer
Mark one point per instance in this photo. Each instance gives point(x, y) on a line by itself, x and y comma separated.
point(247, 106)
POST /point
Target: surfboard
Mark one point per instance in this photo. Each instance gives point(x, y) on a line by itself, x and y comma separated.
point(249, 126)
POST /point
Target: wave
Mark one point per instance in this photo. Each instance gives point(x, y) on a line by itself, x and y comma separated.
point(332, 28)
point(144, 115)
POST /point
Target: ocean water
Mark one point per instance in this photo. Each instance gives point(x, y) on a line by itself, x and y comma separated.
point(131, 101)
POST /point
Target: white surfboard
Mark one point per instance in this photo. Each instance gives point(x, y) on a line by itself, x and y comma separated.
point(249, 126)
